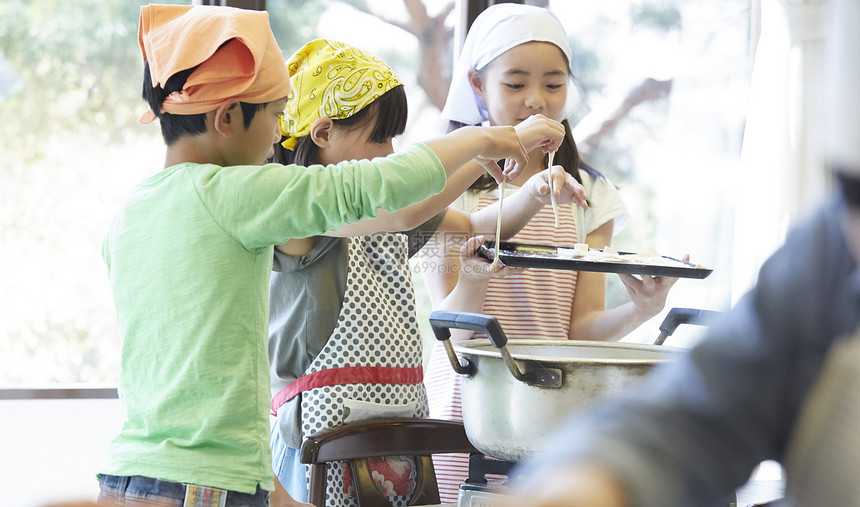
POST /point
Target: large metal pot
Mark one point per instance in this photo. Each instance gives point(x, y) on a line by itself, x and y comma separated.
point(515, 394)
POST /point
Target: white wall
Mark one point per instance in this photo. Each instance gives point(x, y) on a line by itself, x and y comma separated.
point(51, 450)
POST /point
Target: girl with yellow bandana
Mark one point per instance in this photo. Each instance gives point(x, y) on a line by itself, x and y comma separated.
point(344, 342)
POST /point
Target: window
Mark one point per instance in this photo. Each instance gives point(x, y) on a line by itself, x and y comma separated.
point(664, 101)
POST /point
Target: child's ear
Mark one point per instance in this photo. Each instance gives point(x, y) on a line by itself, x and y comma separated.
point(227, 117)
point(475, 82)
point(321, 130)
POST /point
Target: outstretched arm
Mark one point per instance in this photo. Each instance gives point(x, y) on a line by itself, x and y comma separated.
point(591, 320)
point(487, 145)
point(523, 204)
point(463, 144)
point(520, 207)
point(441, 266)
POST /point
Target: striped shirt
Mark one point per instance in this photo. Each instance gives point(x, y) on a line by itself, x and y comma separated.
point(534, 304)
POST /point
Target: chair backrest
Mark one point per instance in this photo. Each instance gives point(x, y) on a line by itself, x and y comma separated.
point(399, 436)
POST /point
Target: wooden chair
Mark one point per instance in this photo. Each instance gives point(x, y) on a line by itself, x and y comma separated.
point(355, 442)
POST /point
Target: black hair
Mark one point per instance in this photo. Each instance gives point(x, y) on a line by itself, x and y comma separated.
point(391, 113)
point(567, 156)
point(174, 126)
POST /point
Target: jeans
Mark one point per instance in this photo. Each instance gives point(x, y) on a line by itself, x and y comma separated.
point(129, 491)
point(290, 471)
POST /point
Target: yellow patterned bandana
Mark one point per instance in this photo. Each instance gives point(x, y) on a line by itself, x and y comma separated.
point(331, 80)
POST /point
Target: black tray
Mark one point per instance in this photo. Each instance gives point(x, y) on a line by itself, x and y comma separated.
point(544, 256)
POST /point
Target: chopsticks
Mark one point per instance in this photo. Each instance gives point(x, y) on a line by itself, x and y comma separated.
point(551, 191)
point(501, 198)
point(498, 226)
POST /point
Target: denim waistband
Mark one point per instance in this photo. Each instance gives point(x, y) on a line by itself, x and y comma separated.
point(119, 490)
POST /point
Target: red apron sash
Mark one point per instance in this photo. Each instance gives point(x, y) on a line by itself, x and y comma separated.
point(347, 375)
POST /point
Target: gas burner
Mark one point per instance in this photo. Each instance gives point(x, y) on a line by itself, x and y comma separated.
point(487, 481)
point(477, 495)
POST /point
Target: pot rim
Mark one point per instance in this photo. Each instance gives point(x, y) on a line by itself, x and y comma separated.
point(483, 348)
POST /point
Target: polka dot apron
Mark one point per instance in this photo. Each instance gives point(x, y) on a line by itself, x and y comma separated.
point(374, 355)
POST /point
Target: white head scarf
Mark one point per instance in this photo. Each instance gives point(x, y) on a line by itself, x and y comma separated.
point(496, 30)
point(842, 88)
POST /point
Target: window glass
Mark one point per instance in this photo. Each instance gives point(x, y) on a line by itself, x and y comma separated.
point(70, 83)
point(664, 100)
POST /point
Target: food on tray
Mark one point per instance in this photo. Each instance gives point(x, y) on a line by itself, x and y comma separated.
point(649, 256)
point(583, 258)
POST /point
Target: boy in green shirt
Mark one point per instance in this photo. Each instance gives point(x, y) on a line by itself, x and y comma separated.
point(190, 252)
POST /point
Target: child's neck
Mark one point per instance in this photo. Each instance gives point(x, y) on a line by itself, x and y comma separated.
point(193, 149)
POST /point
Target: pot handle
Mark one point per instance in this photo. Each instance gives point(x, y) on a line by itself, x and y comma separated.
point(678, 316)
point(442, 320)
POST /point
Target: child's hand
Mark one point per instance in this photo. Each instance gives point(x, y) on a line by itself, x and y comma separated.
point(281, 498)
point(473, 267)
point(649, 293)
point(503, 142)
point(573, 485)
point(538, 130)
point(565, 186)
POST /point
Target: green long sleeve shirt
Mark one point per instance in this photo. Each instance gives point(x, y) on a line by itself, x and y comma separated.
point(189, 257)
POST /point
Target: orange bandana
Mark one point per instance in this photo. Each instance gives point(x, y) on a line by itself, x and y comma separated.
point(249, 68)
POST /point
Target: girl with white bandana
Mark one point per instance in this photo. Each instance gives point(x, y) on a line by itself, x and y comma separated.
point(344, 342)
point(516, 61)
